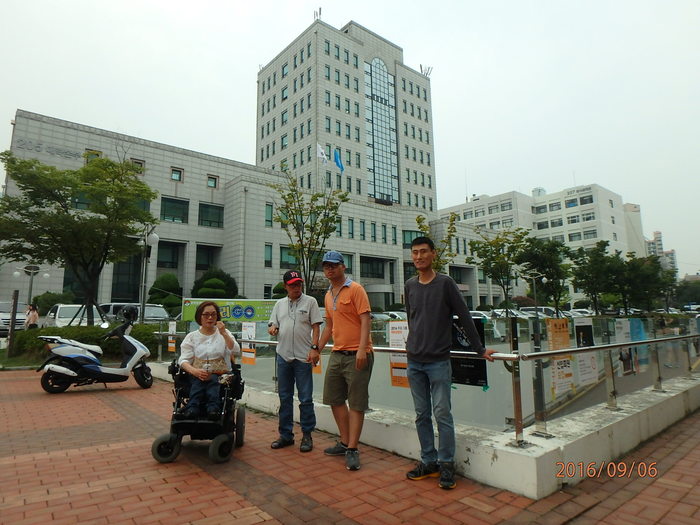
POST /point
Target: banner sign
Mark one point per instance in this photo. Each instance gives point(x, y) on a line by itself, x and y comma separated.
point(467, 371)
point(247, 349)
point(232, 309)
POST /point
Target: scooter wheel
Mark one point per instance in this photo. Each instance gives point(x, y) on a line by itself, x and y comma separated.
point(54, 383)
point(143, 376)
point(166, 448)
point(221, 448)
point(240, 425)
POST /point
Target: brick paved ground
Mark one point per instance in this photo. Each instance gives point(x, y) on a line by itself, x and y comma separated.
point(84, 457)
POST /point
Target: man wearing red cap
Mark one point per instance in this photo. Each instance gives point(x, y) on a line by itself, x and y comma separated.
point(295, 320)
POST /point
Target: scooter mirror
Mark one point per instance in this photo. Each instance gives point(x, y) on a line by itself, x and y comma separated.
point(104, 325)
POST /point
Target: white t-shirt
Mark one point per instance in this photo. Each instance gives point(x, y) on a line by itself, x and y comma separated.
point(197, 344)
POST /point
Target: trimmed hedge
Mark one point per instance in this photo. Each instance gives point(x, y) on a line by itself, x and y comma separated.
point(27, 342)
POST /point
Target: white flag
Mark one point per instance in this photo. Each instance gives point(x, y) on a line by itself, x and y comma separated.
point(321, 153)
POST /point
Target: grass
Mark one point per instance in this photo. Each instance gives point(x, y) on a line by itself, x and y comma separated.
point(21, 360)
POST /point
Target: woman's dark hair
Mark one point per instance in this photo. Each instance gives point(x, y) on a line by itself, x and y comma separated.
point(423, 240)
point(200, 309)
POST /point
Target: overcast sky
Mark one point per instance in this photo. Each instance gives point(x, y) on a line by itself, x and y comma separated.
point(548, 93)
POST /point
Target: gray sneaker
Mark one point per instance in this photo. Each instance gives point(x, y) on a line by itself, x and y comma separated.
point(352, 459)
point(336, 450)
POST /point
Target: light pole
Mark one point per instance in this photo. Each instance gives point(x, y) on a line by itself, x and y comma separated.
point(31, 270)
point(149, 238)
point(540, 405)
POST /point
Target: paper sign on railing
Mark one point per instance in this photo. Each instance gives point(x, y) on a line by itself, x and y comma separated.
point(398, 363)
point(247, 349)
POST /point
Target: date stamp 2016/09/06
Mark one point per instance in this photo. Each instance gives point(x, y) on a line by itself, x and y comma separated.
point(611, 469)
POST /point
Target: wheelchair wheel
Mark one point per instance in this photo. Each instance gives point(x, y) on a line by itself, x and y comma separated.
point(240, 425)
point(166, 448)
point(221, 448)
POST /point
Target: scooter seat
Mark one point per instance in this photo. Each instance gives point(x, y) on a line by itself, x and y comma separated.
point(92, 348)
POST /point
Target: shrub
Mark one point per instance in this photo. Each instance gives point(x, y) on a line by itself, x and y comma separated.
point(396, 307)
point(223, 281)
point(46, 300)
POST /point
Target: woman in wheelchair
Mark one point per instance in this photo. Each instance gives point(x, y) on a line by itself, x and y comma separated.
point(206, 354)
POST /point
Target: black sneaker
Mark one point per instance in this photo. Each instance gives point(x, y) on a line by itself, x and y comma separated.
point(422, 471)
point(307, 443)
point(281, 442)
point(352, 459)
point(447, 476)
point(336, 450)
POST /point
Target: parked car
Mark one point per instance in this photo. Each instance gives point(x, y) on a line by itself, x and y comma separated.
point(584, 312)
point(112, 309)
point(397, 316)
point(62, 314)
point(6, 316)
point(154, 313)
point(501, 313)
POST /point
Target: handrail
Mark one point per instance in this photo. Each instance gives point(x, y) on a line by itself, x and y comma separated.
point(611, 346)
point(456, 353)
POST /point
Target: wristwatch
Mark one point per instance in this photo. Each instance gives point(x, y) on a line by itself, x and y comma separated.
point(314, 347)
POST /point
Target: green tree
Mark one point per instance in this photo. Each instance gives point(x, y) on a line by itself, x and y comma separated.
point(166, 290)
point(592, 271)
point(279, 291)
point(497, 254)
point(542, 260)
point(79, 219)
point(215, 283)
point(309, 218)
point(638, 280)
point(688, 292)
point(443, 247)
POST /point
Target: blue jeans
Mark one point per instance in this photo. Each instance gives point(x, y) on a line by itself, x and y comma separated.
point(205, 392)
point(430, 387)
point(288, 374)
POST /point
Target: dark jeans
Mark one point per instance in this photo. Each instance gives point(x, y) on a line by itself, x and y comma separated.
point(205, 393)
point(287, 375)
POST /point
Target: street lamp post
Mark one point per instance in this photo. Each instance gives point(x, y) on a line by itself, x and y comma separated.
point(148, 239)
point(31, 270)
point(540, 405)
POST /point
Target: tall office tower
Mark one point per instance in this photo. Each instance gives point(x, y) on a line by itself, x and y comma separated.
point(348, 93)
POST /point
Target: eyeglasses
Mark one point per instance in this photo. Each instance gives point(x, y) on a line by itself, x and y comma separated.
point(209, 314)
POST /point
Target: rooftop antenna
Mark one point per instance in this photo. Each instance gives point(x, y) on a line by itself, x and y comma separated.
point(426, 70)
point(317, 14)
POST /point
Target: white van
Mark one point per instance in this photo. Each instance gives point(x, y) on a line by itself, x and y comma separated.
point(62, 315)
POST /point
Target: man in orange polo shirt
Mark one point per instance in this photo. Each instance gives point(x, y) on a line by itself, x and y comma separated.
point(350, 364)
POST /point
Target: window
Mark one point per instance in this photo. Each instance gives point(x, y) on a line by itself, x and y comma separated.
point(176, 174)
point(328, 124)
point(285, 93)
point(393, 235)
point(358, 184)
point(337, 102)
point(327, 72)
point(479, 213)
point(494, 209)
point(80, 201)
point(542, 225)
point(211, 215)
point(168, 255)
point(212, 181)
point(590, 234)
point(268, 256)
point(468, 215)
point(372, 267)
point(285, 117)
point(339, 227)
point(91, 154)
point(284, 141)
point(285, 70)
point(267, 291)
point(346, 56)
point(174, 210)
point(362, 230)
point(554, 223)
point(505, 206)
point(589, 216)
point(337, 77)
point(573, 219)
point(351, 228)
point(614, 236)
point(558, 238)
point(554, 206)
point(576, 236)
point(507, 223)
point(140, 165)
point(586, 199)
point(612, 219)
point(610, 201)
point(355, 61)
point(327, 47)
point(570, 203)
point(384, 233)
point(268, 215)
point(539, 209)
point(287, 260)
point(373, 231)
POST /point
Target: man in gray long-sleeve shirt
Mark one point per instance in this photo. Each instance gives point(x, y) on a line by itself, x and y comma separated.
point(431, 301)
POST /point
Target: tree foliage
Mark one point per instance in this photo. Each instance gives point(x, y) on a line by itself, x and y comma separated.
point(591, 272)
point(166, 290)
point(309, 218)
point(497, 254)
point(443, 247)
point(215, 283)
point(542, 260)
point(79, 219)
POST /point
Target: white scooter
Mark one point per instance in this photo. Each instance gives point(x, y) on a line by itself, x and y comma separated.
point(76, 363)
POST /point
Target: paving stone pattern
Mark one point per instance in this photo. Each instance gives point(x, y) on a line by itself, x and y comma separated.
point(84, 457)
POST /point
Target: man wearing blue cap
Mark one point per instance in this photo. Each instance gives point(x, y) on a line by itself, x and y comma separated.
point(350, 364)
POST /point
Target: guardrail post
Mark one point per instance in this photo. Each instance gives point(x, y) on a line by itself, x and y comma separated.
point(517, 394)
point(610, 381)
point(656, 365)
